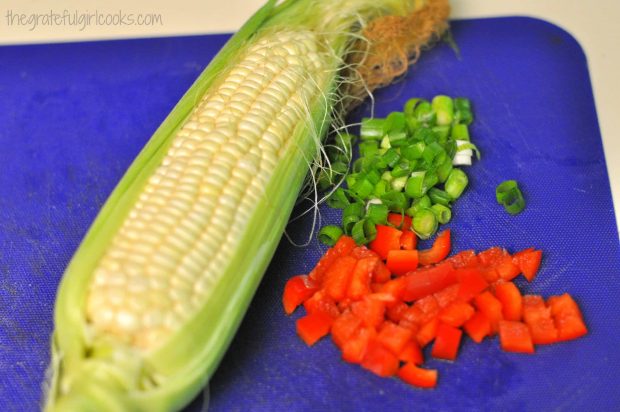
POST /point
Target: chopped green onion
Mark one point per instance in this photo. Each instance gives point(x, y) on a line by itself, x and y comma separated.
point(415, 184)
point(368, 148)
point(363, 187)
point(460, 132)
point(348, 222)
point(431, 152)
point(430, 180)
point(373, 176)
point(385, 143)
point(403, 168)
point(424, 134)
point(442, 133)
point(456, 183)
point(350, 179)
point(396, 122)
point(439, 196)
point(381, 188)
point(329, 235)
point(413, 151)
point(463, 111)
point(395, 201)
point(338, 199)
point(418, 204)
point(391, 157)
point(354, 209)
point(424, 112)
point(363, 232)
point(442, 213)
point(425, 223)
point(509, 195)
point(443, 170)
point(373, 129)
point(399, 183)
point(397, 139)
point(377, 213)
point(387, 176)
point(410, 106)
point(468, 146)
point(444, 110)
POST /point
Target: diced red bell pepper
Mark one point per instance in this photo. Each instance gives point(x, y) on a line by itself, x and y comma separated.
point(439, 251)
point(408, 240)
point(413, 327)
point(393, 337)
point(448, 295)
point(478, 327)
point(464, 259)
point(537, 316)
point(489, 274)
point(401, 262)
point(381, 273)
point(428, 306)
point(313, 327)
point(456, 314)
point(359, 285)
point(491, 256)
point(297, 290)
point(528, 262)
point(418, 377)
point(344, 327)
point(370, 311)
point(447, 342)
point(318, 273)
point(401, 222)
point(396, 311)
point(338, 276)
point(427, 332)
point(506, 269)
point(515, 337)
point(426, 281)
point(471, 283)
point(321, 303)
point(567, 317)
point(379, 360)
point(361, 252)
point(412, 353)
point(387, 238)
point(491, 307)
point(344, 246)
point(354, 348)
point(512, 302)
point(393, 288)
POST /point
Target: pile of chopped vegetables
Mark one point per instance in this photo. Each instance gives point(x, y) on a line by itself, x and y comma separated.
point(405, 165)
point(384, 303)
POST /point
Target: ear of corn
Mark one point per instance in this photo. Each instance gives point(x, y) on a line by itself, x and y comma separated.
point(160, 283)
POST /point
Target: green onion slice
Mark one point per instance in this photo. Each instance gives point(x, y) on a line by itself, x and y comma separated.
point(329, 235)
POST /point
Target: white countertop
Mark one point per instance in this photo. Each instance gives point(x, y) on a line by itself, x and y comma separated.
point(591, 23)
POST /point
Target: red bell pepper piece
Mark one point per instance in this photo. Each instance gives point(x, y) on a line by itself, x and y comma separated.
point(408, 240)
point(528, 261)
point(464, 259)
point(401, 222)
point(471, 283)
point(537, 316)
point(344, 327)
point(344, 246)
point(515, 337)
point(506, 269)
point(393, 288)
point(512, 302)
point(354, 349)
point(359, 285)
point(381, 273)
point(338, 276)
point(401, 262)
point(387, 238)
point(427, 332)
point(313, 327)
point(370, 311)
point(379, 360)
point(394, 337)
point(478, 327)
point(297, 290)
point(491, 307)
point(447, 342)
point(418, 377)
point(321, 303)
point(491, 256)
point(318, 273)
point(447, 295)
point(426, 281)
point(439, 250)
point(428, 307)
point(361, 252)
point(456, 314)
point(396, 311)
point(567, 317)
point(412, 353)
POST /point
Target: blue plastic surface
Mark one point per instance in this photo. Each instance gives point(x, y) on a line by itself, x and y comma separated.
point(73, 117)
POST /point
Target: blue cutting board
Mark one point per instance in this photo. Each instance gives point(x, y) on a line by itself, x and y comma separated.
point(73, 116)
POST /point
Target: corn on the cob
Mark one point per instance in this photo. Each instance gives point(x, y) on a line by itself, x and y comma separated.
point(153, 296)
